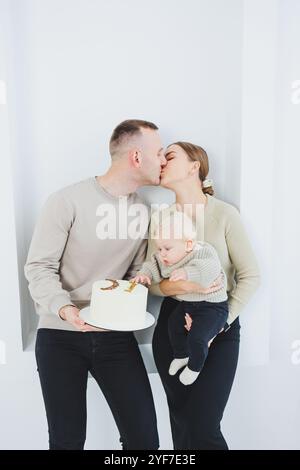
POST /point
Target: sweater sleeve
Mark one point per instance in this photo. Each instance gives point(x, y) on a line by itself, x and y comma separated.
point(137, 262)
point(151, 269)
point(247, 275)
point(205, 268)
point(140, 255)
point(43, 260)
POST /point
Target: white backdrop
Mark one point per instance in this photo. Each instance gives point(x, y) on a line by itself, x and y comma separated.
point(221, 74)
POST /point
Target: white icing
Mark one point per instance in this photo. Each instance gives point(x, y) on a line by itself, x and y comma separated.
point(118, 308)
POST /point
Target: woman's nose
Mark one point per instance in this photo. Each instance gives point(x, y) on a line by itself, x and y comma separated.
point(163, 161)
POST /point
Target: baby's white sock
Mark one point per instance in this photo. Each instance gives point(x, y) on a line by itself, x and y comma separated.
point(177, 364)
point(188, 376)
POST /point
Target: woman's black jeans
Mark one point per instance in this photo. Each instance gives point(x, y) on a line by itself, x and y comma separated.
point(196, 411)
point(64, 359)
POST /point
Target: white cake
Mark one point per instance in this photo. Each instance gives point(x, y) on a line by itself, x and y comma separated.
point(118, 304)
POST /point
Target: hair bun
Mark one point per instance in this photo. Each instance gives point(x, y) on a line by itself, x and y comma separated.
point(207, 183)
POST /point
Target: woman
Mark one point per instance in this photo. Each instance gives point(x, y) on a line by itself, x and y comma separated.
point(196, 410)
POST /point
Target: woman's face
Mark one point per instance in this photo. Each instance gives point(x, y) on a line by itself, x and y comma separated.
point(178, 168)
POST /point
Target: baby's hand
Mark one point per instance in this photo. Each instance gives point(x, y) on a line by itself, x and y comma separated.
point(178, 275)
point(142, 279)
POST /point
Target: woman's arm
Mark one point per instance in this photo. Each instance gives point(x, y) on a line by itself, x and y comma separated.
point(177, 287)
point(168, 288)
point(242, 257)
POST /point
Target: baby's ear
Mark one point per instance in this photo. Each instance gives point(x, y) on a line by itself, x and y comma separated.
point(189, 245)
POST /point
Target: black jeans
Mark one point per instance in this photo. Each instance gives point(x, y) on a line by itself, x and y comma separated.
point(208, 319)
point(64, 359)
point(196, 411)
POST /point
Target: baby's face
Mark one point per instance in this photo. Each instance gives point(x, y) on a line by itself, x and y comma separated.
point(171, 251)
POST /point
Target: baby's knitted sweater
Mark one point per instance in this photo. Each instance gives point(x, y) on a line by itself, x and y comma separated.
point(202, 266)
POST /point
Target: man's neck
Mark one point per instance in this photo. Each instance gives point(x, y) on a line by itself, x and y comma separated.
point(117, 183)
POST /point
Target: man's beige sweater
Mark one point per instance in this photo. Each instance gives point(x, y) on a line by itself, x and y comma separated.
point(66, 254)
point(224, 230)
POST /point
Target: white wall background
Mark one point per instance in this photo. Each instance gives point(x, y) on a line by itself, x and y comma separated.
point(217, 73)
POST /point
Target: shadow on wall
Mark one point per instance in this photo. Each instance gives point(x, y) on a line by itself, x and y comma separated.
point(51, 130)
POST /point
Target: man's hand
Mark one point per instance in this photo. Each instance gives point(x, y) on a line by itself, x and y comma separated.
point(178, 275)
point(71, 315)
point(142, 279)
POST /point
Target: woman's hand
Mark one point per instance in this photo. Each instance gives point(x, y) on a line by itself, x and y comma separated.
point(188, 322)
point(215, 286)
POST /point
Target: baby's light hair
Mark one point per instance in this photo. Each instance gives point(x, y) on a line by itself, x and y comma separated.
point(177, 225)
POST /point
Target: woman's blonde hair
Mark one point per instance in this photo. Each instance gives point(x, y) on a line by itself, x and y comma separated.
point(177, 225)
point(197, 154)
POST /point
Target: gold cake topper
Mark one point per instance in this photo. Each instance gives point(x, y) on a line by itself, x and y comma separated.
point(115, 284)
point(133, 284)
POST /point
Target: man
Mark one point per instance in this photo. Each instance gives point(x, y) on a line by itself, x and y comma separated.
point(67, 254)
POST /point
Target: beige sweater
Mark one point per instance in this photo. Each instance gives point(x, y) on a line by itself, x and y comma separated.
point(224, 230)
point(66, 254)
point(201, 265)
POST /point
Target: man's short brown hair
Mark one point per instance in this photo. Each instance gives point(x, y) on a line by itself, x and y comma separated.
point(125, 130)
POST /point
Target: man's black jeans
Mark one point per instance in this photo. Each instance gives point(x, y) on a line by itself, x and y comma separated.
point(64, 359)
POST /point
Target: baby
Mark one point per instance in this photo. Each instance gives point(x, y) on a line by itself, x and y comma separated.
point(183, 258)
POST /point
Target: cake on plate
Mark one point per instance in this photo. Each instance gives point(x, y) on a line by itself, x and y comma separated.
point(118, 305)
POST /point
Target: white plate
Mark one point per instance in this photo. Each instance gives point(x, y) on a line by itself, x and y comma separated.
point(85, 315)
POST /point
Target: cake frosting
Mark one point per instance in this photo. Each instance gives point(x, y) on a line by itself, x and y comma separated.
point(118, 304)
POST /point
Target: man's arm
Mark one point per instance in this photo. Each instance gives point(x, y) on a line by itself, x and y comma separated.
point(137, 261)
point(47, 245)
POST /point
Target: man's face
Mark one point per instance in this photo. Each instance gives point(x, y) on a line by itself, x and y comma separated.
point(152, 157)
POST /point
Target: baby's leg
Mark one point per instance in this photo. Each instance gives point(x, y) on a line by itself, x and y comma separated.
point(208, 320)
point(178, 339)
